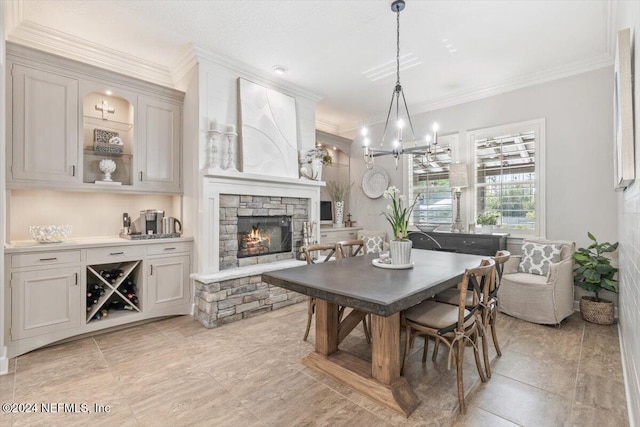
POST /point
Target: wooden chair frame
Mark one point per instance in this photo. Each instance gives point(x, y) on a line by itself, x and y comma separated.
point(456, 335)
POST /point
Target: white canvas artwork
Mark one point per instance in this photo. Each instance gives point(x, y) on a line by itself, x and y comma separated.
point(269, 132)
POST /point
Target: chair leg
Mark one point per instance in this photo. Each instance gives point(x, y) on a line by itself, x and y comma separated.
point(435, 350)
point(425, 350)
point(407, 345)
point(485, 339)
point(492, 322)
point(476, 354)
point(310, 311)
point(459, 374)
point(367, 334)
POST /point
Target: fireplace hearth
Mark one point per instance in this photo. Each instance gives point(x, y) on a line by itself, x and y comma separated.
point(264, 235)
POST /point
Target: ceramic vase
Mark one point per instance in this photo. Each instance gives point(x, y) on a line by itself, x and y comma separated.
point(400, 251)
point(339, 214)
point(316, 169)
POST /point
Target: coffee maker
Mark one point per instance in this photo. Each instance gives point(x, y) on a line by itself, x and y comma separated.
point(150, 222)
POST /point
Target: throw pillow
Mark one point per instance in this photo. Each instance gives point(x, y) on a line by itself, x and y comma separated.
point(536, 258)
point(373, 243)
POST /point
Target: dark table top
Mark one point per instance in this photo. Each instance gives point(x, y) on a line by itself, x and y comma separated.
point(355, 282)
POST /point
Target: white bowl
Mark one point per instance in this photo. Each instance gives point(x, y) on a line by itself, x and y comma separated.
point(50, 233)
point(425, 228)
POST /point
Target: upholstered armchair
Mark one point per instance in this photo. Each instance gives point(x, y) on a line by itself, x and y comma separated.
point(545, 297)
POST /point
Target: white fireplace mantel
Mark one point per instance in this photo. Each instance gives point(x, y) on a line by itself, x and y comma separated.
point(241, 183)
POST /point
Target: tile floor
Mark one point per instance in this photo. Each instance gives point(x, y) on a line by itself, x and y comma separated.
point(174, 372)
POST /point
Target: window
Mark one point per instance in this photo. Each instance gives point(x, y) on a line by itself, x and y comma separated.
point(429, 177)
point(509, 176)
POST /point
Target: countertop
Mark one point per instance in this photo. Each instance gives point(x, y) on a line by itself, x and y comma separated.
point(19, 246)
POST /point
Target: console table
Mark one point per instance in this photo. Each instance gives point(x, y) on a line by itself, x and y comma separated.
point(477, 244)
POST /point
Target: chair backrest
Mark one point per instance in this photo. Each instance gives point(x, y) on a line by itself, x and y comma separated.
point(310, 252)
point(479, 280)
point(501, 258)
point(349, 248)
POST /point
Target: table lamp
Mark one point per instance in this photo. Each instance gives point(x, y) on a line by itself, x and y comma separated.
point(457, 179)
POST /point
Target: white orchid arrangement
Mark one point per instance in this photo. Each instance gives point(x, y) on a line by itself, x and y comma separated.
point(398, 216)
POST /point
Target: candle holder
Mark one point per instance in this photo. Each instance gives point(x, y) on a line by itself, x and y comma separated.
point(231, 138)
point(214, 158)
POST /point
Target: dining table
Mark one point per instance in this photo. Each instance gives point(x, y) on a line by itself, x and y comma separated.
point(382, 292)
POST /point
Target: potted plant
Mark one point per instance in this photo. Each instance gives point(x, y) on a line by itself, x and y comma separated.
point(593, 273)
point(398, 216)
point(338, 192)
point(487, 220)
point(315, 158)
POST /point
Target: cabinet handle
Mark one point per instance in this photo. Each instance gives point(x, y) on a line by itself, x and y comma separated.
point(464, 242)
point(48, 259)
point(76, 280)
point(169, 249)
point(323, 235)
point(116, 253)
point(351, 234)
point(73, 170)
point(151, 274)
point(140, 175)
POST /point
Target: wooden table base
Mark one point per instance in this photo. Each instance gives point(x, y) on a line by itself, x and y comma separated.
point(380, 380)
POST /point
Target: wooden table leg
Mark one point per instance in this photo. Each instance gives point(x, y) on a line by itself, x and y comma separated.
point(326, 327)
point(380, 380)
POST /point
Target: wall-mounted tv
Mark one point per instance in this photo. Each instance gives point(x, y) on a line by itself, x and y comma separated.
point(326, 212)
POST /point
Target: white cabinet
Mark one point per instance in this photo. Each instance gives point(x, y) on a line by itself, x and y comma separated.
point(57, 294)
point(330, 235)
point(168, 281)
point(158, 147)
point(45, 301)
point(44, 126)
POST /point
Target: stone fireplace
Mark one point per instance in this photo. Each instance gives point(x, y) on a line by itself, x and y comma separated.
point(260, 229)
point(230, 196)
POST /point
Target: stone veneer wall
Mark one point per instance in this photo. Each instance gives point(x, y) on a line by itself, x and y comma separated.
point(226, 301)
point(232, 206)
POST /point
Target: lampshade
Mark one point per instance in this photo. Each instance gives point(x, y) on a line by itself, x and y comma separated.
point(458, 175)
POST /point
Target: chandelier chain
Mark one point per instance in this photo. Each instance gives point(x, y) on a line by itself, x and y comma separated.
point(398, 47)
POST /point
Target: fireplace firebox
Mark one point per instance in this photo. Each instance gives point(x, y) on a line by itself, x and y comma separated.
point(264, 235)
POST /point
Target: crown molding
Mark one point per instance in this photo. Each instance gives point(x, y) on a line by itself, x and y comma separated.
point(13, 15)
point(254, 74)
point(532, 79)
point(44, 38)
point(327, 126)
point(183, 64)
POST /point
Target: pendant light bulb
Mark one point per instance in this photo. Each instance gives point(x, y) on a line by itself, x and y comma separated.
point(364, 131)
point(400, 123)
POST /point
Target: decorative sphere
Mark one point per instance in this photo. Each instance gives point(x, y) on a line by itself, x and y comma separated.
point(107, 166)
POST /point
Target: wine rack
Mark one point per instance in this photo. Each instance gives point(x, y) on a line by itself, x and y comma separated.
point(112, 298)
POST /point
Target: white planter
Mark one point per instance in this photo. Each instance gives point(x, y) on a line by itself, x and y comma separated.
point(339, 214)
point(400, 251)
point(316, 169)
point(485, 229)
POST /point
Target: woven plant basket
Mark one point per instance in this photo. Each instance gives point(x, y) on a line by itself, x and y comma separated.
point(600, 312)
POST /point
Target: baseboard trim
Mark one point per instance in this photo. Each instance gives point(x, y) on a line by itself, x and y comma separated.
point(627, 380)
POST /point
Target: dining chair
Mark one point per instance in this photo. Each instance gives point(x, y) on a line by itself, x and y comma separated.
point(488, 309)
point(325, 253)
point(351, 248)
point(311, 253)
point(454, 326)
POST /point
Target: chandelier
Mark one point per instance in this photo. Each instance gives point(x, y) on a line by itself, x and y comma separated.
point(428, 151)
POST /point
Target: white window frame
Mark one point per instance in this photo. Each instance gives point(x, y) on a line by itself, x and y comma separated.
point(451, 140)
point(538, 126)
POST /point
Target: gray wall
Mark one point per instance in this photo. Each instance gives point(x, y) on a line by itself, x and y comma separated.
point(579, 158)
point(628, 16)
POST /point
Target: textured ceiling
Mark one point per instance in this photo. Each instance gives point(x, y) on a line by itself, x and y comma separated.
point(328, 45)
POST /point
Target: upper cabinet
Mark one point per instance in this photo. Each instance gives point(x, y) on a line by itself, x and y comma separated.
point(158, 145)
point(73, 126)
point(45, 126)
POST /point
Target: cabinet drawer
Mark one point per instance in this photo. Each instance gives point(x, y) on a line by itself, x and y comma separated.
point(114, 254)
point(168, 248)
point(44, 258)
point(335, 237)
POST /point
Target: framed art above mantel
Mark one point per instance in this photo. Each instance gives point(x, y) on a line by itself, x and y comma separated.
point(624, 153)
